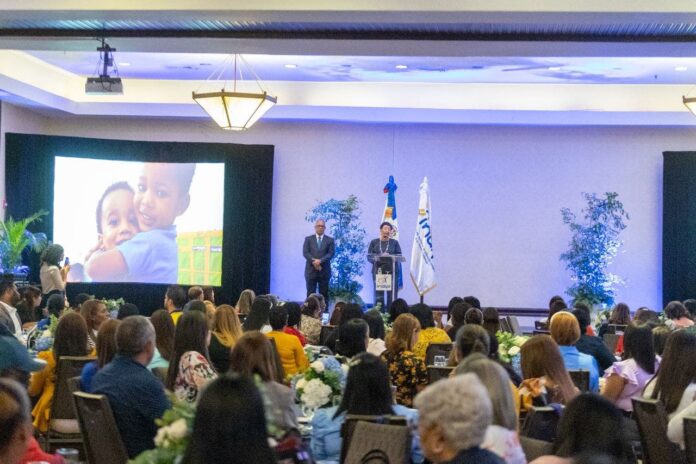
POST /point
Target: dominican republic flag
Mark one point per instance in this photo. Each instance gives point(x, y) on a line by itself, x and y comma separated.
point(390, 217)
point(422, 258)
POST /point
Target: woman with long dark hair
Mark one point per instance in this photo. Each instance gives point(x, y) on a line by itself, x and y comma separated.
point(257, 319)
point(377, 334)
point(190, 369)
point(106, 350)
point(95, 314)
point(354, 338)
point(546, 379)
point(367, 392)
point(70, 340)
point(675, 381)
point(230, 427)
point(53, 277)
point(164, 339)
point(310, 320)
point(626, 379)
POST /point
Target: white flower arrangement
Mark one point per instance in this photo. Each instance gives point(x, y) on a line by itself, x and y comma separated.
point(509, 345)
point(315, 394)
point(320, 385)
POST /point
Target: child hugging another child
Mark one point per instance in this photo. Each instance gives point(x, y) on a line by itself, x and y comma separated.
point(137, 235)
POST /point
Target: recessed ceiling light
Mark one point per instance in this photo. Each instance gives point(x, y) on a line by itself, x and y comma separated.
point(401, 66)
point(291, 66)
point(680, 68)
point(555, 68)
point(124, 64)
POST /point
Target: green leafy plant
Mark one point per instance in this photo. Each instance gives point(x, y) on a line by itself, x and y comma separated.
point(594, 244)
point(15, 238)
point(343, 222)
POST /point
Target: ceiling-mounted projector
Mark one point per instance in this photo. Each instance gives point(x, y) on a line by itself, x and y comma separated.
point(105, 84)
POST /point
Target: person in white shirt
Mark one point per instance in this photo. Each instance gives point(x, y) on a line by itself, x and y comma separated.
point(9, 296)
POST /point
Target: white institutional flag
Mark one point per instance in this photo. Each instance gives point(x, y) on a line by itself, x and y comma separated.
point(422, 265)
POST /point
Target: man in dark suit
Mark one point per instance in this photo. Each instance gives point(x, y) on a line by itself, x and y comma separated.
point(318, 249)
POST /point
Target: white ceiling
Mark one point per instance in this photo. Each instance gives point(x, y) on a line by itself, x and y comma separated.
point(383, 77)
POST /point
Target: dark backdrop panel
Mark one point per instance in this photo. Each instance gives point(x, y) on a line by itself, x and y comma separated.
point(679, 226)
point(246, 250)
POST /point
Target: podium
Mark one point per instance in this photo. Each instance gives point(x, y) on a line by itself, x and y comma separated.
point(384, 279)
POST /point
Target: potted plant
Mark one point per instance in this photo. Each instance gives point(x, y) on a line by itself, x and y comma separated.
point(15, 238)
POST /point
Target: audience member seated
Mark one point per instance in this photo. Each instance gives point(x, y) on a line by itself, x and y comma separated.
point(367, 392)
point(257, 319)
point(136, 397)
point(620, 315)
point(397, 308)
point(678, 315)
point(16, 365)
point(226, 331)
point(590, 423)
point(79, 300)
point(127, 309)
point(589, 344)
point(253, 355)
point(189, 368)
point(354, 338)
point(626, 379)
point(196, 305)
point(659, 336)
point(70, 340)
point(450, 306)
point(473, 316)
point(174, 301)
point(336, 313)
point(501, 435)
point(55, 305)
point(376, 344)
point(229, 426)
point(408, 371)
point(556, 298)
point(106, 350)
point(546, 379)
point(428, 333)
point(454, 415)
point(246, 299)
point(675, 381)
point(195, 293)
point(95, 314)
point(645, 315)
point(28, 304)
point(321, 300)
point(690, 306)
point(555, 307)
point(289, 348)
point(471, 339)
point(164, 339)
point(565, 331)
point(9, 296)
point(491, 320)
point(294, 317)
point(209, 294)
point(456, 318)
point(350, 311)
point(310, 321)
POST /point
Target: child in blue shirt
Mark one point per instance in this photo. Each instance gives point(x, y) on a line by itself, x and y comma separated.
point(151, 256)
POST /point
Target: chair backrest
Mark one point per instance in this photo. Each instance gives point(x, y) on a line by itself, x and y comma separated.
point(514, 324)
point(68, 367)
point(437, 349)
point(376, 442)
point(349, 425)
point(74, 384)
point(540, 332)
point(611, 341)
point(541, 325)
point(690, 439)
point(103, 443)
point(534, 448)
point(541, 423)
point(652, 425)
point(436, 373)
point(325, 332)
point(581, 379)
point(505, 325)
point(618, 329)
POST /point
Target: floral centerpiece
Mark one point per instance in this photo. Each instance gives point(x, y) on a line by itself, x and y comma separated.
point(509, 345)
point(172, 436)
point(112, 306)
point(321, 385)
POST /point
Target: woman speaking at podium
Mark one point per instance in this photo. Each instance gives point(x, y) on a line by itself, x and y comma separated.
point(384, 245)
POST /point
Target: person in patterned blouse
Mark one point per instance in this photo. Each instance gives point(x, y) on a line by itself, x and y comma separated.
point(190, 368)
point(408, 372)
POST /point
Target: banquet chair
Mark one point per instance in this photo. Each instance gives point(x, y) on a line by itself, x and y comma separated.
point(505, 325)
point(581, 379)
point(362, 434)
point(161, 374)
point(652, 427)
point(437, 349)
point(62, 425)
point(103, 443)
point(611, 341)
point(690, 439)
point(514, 324)
point(436, 373)
point(541, 423)
point(534, 448)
